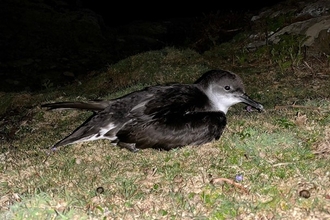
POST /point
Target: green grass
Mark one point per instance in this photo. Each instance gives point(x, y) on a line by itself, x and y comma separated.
point(279, 152)
point(275, 163)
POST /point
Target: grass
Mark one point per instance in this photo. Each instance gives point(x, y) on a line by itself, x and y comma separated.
point(279, 153)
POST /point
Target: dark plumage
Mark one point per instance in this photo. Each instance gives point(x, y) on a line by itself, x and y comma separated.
point(162, 117)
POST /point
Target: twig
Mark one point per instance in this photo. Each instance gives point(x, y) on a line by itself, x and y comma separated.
point(277, 107)
point(220, 181)
point(282, 164)
point(309, 67)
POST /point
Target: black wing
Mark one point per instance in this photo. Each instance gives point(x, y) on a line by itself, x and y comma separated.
point(105, 123)
point(92, 105)
point(174, 118)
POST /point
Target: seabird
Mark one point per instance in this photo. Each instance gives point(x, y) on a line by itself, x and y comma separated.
point(163, 116)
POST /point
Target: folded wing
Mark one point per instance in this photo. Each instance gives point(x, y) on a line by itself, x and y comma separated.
point(173, 118)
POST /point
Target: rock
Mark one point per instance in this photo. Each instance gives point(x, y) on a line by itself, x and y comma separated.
point(311, 20)
point(310, 28)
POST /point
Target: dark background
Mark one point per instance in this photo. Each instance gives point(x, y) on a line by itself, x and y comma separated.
point(123, 12)
point(51, 43)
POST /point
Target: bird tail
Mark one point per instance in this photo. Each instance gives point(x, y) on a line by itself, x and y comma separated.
point(92, 106)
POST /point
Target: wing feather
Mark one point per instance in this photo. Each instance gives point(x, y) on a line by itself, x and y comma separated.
point(173, 118)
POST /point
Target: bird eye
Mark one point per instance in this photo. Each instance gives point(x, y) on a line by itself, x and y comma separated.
point(227, 87)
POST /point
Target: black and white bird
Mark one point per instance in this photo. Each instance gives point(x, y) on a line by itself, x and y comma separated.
point(162, 117)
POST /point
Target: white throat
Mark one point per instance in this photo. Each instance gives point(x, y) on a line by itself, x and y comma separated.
point(221, 102)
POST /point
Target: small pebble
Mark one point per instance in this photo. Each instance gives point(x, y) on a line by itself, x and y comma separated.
point(248, 108)
point(304, 193)
point(239, 177)
point(100, 190)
